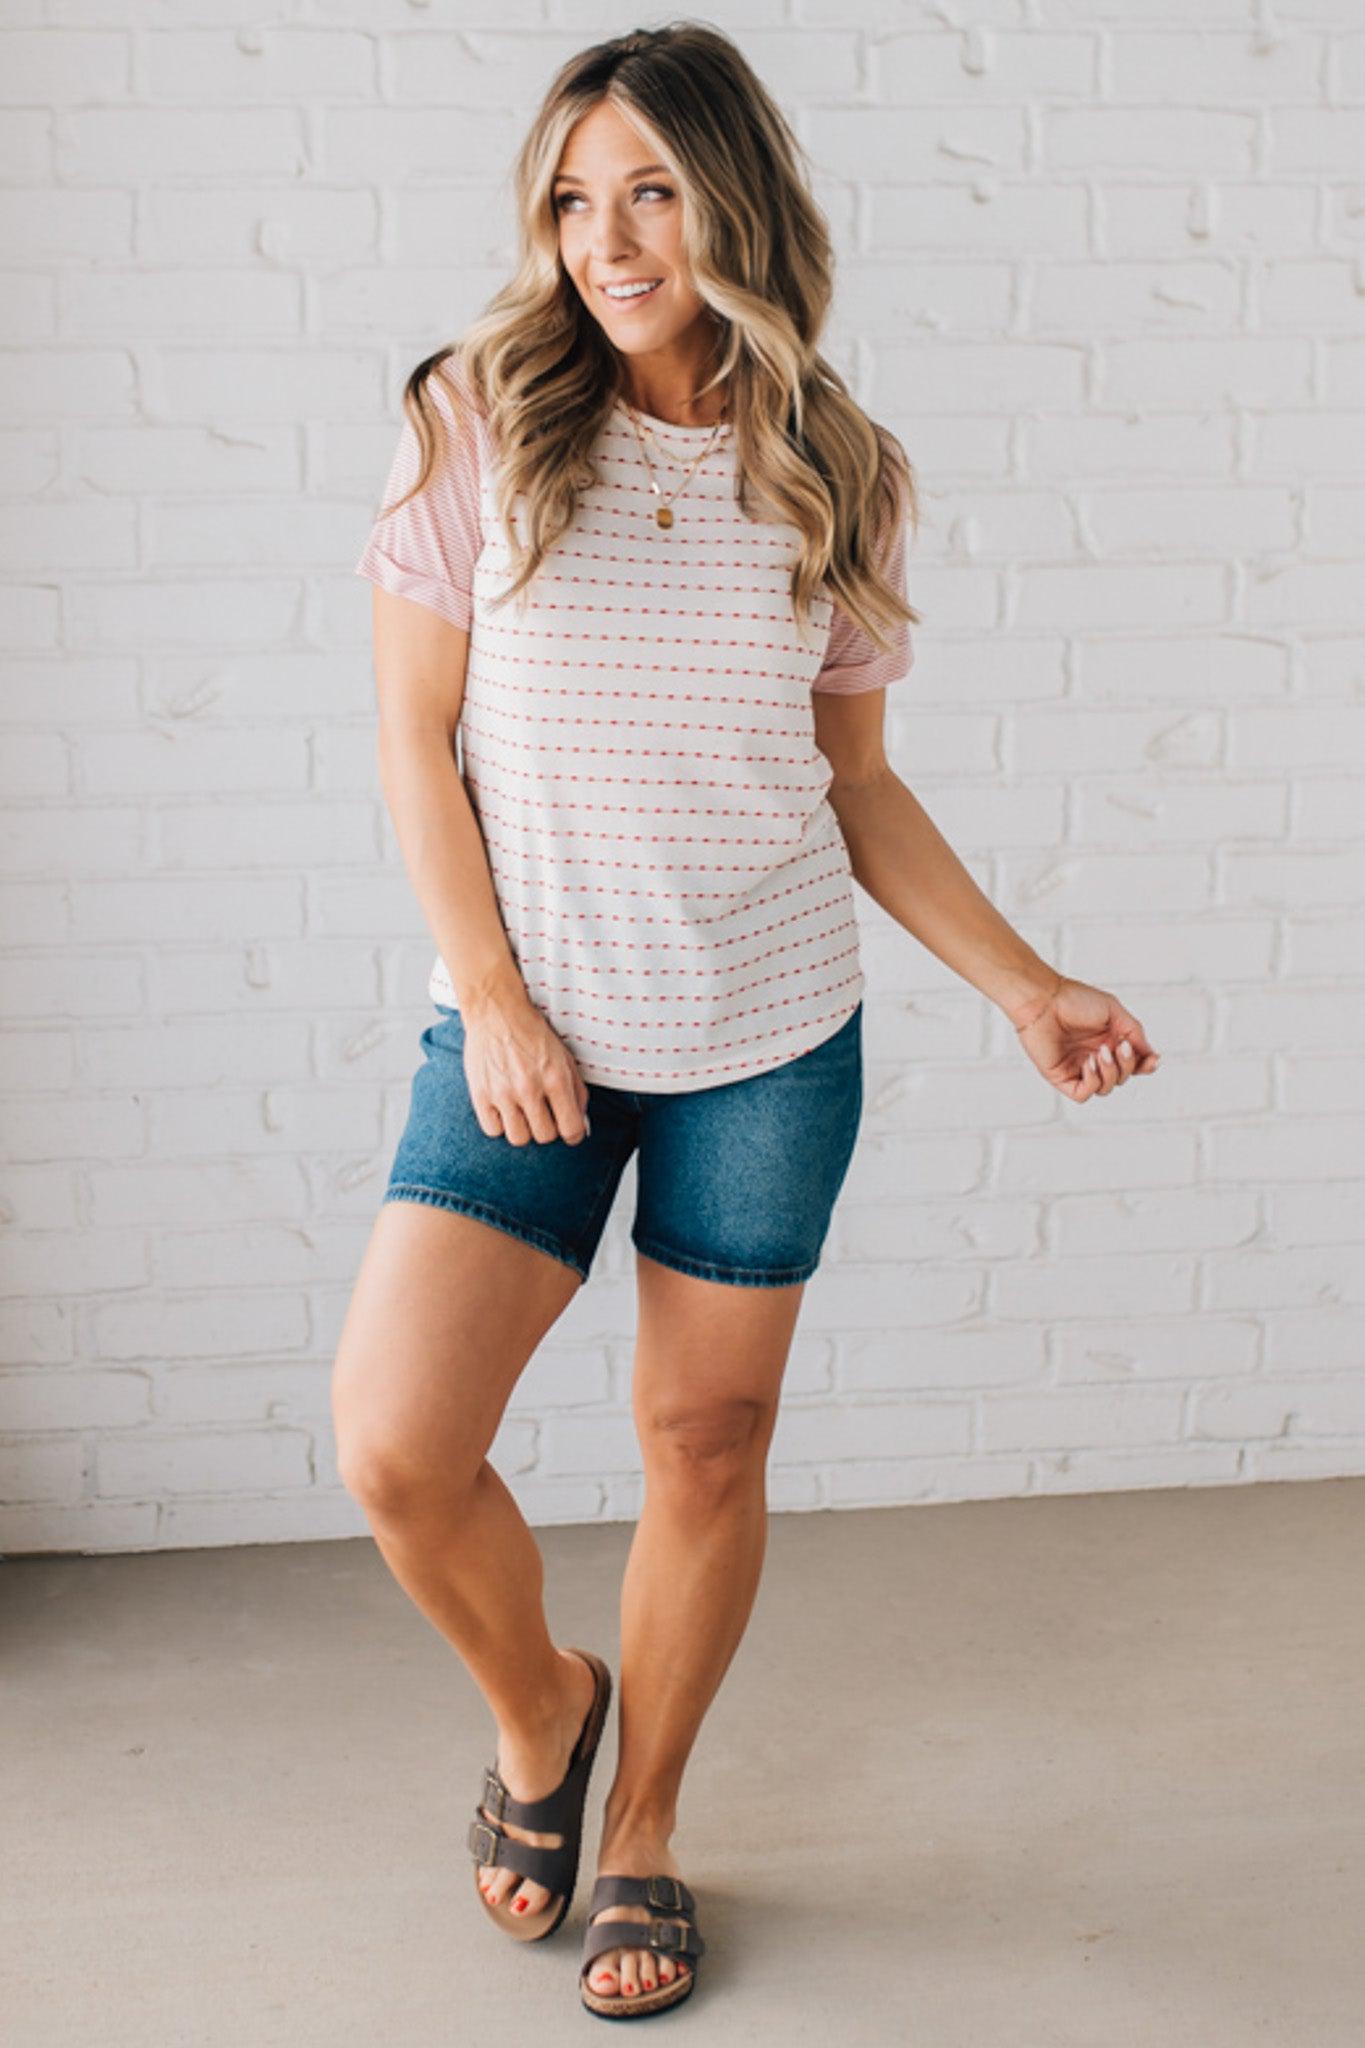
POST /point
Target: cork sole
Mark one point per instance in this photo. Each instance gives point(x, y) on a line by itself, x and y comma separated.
point(613, 2006)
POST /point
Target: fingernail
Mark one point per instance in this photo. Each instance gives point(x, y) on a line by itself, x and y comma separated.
point(1106, 1056)
point(1124, 1047)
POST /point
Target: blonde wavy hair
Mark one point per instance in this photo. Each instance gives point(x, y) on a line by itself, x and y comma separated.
point(759, 253)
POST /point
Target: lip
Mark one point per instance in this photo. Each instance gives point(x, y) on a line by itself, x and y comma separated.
point(617, 282)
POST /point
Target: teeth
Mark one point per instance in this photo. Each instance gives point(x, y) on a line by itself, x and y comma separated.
point(630, 291)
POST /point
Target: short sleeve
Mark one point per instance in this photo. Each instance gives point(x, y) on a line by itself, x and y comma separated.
point(426, 550)
point(853, 661)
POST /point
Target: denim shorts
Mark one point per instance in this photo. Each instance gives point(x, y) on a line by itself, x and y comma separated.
point(734, 1182)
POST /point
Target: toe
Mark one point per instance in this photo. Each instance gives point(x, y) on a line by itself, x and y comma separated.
point(646, 1976)
point(603, 1976)
point(512, 1894)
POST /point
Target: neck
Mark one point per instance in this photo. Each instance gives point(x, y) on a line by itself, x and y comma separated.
point(666, 391)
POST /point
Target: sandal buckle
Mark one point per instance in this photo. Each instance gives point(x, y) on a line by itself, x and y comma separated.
point(671, 1901)
point(667, 1935)
point(483, 1841)
point(494, 1793)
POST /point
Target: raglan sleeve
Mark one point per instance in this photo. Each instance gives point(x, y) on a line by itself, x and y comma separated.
point(853, 661)
point(426, 549)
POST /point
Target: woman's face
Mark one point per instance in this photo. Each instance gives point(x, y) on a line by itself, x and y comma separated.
point(620, 223)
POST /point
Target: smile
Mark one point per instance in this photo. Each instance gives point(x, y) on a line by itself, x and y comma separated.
point(621, 293)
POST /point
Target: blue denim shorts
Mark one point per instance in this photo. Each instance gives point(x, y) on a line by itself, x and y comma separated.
point(735, 1182)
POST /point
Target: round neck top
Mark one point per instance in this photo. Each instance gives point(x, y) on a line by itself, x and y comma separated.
point(637, 741)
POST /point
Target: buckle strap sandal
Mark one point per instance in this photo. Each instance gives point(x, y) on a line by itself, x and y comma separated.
point(559, 1812)
point(676, 1936)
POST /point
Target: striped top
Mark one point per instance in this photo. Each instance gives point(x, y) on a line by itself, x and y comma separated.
point(638, 745)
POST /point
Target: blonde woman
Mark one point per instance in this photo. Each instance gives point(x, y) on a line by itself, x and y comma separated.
point(642, 561)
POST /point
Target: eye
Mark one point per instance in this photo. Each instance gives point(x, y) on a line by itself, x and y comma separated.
point(562, 199)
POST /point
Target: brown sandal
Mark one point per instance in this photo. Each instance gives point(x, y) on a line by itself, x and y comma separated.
point(677, 1937)
point(559, 1812)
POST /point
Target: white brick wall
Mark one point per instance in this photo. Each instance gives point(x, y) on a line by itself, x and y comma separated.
point(1103, 269)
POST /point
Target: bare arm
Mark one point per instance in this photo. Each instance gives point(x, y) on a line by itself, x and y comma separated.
point(419, 661)
point(1082, 1039)
point(523, 1079)
point(903, 861)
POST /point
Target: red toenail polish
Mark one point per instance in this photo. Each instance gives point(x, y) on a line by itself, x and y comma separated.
point(520, 1906)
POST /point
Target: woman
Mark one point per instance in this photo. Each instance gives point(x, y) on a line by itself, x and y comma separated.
point(646, 563)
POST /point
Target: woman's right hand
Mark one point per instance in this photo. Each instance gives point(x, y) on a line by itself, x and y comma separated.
point(523, 1080)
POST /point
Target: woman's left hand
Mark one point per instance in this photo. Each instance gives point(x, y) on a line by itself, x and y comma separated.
point(1083, 1041)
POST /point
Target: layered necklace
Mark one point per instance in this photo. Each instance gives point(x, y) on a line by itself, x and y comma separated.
point(663, 511)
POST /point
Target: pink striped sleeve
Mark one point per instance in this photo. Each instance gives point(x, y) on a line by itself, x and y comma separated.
point(853, 661)
point(426, 549)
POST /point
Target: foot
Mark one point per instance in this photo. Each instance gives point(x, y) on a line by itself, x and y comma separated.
point(531, 1766)
point(629, 1971)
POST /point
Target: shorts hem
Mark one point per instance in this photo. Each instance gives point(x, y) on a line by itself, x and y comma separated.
point(735, 1276)
point(483, 1212)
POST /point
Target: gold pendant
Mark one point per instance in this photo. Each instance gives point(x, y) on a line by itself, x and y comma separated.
point(663, 515)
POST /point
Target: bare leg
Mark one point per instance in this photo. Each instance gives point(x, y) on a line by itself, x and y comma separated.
point(445, 1314)
point(708, 1373)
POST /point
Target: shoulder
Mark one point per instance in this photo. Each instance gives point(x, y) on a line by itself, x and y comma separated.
point(896, 473)
point(461, 406)
point(454, 381)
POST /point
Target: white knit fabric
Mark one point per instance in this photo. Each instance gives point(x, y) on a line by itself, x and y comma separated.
point(637, 741)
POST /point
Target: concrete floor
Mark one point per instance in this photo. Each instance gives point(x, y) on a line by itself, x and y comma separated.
point(1076, 1772)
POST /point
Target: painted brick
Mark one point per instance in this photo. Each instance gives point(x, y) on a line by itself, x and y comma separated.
point(1099, 266)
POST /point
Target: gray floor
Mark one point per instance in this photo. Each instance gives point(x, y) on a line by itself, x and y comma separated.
point(1011, 1774)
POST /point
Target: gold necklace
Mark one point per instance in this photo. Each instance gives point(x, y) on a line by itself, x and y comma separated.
point(663, 511)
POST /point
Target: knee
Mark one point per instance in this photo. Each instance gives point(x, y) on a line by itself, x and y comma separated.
point(708, 1447)
point(393, 1481)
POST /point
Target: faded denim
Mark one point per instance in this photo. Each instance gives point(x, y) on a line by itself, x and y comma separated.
point(735, 1182)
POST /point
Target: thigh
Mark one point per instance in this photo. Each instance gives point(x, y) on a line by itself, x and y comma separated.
point(707, 1354)
point(445, 1314)
point(737, 1183)
point(478, 1247)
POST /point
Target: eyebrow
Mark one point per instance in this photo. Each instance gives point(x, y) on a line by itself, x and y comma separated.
point(638, 173)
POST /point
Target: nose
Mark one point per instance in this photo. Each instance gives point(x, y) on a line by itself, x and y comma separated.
point(610, 250)
point(611, 238)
